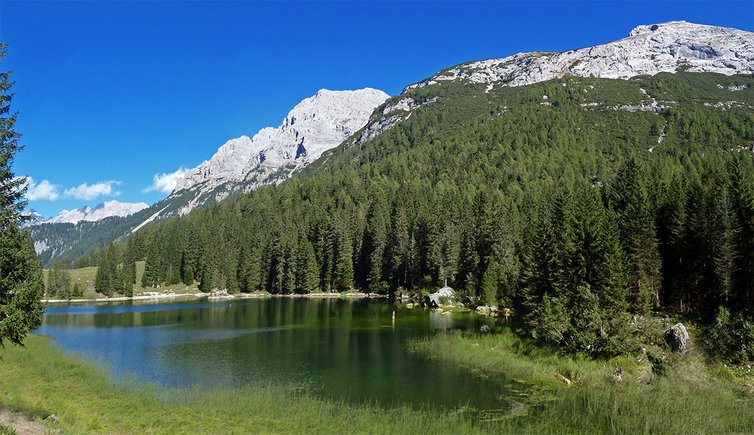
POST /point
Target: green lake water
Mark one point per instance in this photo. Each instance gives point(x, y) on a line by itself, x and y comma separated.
point(335, 348)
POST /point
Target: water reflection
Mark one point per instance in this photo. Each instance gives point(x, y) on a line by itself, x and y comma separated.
point(340, 348)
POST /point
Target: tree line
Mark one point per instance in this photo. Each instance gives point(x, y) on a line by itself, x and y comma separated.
point(579, 219)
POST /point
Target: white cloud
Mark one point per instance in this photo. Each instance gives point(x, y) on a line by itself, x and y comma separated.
point(87, 192)
point(44, 191)
point(165, 183)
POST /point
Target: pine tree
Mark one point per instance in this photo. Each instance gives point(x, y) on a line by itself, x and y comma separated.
point(77, 291)
point(399, 249)
point(53, 277)
point(152, 266)
point(343, 258)
point(21, 285)
point(742, 203)
point(488, 291)
point(629, 199)
point(308, 279)
point(108, 279)
point(673, 236)
point(375, 245)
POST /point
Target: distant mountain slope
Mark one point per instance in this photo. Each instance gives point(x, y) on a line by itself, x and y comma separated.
point(105, 210)
point(313, 126)
point(445, 102)
point(457, 182)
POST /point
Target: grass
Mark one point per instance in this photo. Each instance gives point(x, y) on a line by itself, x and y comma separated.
point(85, 278)
point(40, 380)
point(176, 288)
point(695, 396)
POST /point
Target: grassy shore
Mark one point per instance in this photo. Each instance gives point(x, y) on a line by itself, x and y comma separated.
point(85, 277)
point(693, 396)
point(41, 380)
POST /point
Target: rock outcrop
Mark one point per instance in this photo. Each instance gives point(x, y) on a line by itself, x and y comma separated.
point(314, 126)
point(648, 50)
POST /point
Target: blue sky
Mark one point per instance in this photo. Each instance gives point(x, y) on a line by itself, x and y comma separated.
point(110, 94)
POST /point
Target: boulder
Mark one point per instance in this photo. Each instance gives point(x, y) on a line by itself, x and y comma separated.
point(484, 329)
point(444, 296)
point(484, 310)
point(678, 337)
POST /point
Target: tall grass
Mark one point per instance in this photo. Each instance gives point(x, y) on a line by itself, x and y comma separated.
point(40, 380)
point(694, 396)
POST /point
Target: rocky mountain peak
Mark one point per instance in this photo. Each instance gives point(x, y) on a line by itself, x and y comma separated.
point(648, 50)
point(105, 210)
point(312, 127)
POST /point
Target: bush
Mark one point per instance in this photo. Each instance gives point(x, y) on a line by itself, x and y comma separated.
point(659, 365)
point(731, 337)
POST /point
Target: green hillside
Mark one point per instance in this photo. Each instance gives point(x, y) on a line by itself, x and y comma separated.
point(579, 202)
point(85, 278)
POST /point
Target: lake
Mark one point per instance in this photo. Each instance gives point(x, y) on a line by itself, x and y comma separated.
point(335, 348)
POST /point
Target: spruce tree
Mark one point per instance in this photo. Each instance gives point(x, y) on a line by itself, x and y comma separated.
point(629, 199)
point(375, 245)
point(343, 258)
point(106, 281)
point(490, 284)
point(77, 291)
point(742, 198)
point(21, 286)
point(308, 279)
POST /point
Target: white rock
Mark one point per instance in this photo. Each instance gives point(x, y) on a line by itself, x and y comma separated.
point(650, 49)
point(40, 246)
point(314, 126)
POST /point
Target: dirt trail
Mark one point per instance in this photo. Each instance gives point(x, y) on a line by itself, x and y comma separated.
point(22, 424)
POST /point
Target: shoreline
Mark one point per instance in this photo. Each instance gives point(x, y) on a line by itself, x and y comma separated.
point(215, 297)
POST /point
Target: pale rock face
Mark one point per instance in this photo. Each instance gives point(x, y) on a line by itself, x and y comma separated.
point(392, 114)
point(102, 211)
point(649, 49)
point(314, 126)
point(40, 246)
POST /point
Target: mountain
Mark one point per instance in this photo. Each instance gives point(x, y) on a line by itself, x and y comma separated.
point(34, 216)
point(101, 211)
point(648, 50)
point(669, 47)
point(669, 53)
point(312, 127)
point(583, 200)
point(429, 160)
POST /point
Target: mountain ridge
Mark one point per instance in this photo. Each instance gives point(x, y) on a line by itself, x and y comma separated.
point(274, 153)
point(101, 211)
point(648, 50)
point(418, 97)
